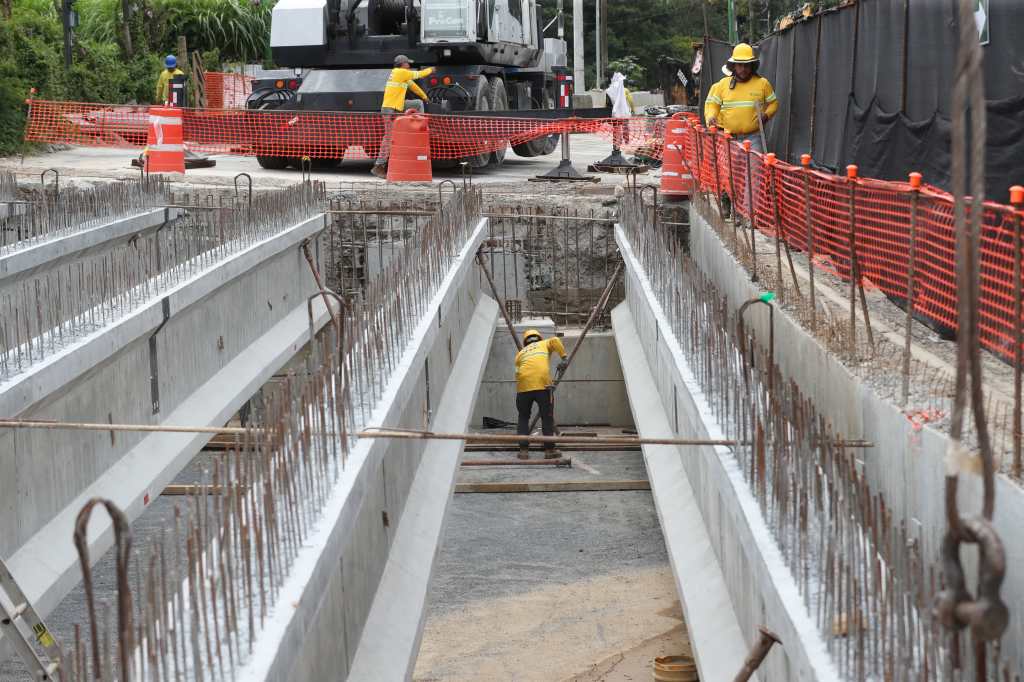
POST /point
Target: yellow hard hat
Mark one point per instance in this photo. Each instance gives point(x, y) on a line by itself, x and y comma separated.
point(742, 54)
point(529, 333)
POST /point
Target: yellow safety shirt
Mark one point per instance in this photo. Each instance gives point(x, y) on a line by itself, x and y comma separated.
point(533, 368)
point(735, 108)
point(399, 81)
point(163, 84)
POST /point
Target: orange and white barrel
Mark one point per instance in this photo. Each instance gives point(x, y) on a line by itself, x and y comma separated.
point(410, 150)
point(165, 143)
point(676, 180)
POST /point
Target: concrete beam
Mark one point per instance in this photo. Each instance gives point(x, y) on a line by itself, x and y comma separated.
point(50, 252)
point(203, 348)
point(907, 463)
point(331, 604)
point(763, 591)
point(391, 638)
point(711, 622)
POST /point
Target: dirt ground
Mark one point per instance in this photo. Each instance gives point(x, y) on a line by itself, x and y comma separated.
point(605, 629)
point(568, 586)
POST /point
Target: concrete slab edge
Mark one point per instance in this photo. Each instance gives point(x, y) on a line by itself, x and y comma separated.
point(391, 637)
point(51, 374)
point(51, 252)
point(321, 551)
point(711, 622)
point(804, 645)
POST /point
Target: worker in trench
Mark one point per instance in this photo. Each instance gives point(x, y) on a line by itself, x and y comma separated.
point(402, 79)
point(534, 385)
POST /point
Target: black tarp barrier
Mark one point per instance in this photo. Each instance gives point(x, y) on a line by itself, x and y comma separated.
point(877, 92)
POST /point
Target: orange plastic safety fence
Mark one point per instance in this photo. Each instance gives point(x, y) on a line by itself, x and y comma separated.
point(227, 90)
point(874, 218)
point(318, 134)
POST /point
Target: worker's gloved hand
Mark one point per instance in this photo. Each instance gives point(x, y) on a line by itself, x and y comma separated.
point(713, 122)
point(562, 366)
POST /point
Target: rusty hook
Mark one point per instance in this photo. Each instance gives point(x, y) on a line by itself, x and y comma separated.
point(56, 180)
point(440, 186)
point(123, 545)
point(247, 177)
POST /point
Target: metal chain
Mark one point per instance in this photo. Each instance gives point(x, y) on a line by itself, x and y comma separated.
point(987, 615)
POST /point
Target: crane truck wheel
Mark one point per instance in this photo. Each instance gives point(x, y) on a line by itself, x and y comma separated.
point(498, 101)
point(541, 146)
point(272, 162)
point(482, 103)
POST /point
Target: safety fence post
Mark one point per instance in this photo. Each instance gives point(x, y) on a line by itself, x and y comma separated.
point(770, 161)
point(750, 212)
point(805, 162)
point(732, 192)
point(855, 277)
point(713, 131)
point(780, 243)
point(915, 196)
point(1017, 199)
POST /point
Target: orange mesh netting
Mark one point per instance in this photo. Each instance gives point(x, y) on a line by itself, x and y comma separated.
point(227, 90)
point(316, 134)
point(881, 213)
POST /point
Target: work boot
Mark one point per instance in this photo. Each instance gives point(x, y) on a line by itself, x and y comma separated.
point(380, 170)
point(553, 454)
point(524, 453)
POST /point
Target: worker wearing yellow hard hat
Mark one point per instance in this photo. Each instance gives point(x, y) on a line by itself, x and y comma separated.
point(533, 382)
point(741, 101)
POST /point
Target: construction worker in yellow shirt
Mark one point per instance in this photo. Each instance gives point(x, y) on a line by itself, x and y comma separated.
point(163, 81)
point(533, 383)
point(734, 101)
point(401, 80)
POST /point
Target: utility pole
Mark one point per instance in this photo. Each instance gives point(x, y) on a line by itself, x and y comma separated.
point(578, 70)
point(598, 43)
point(69, 20)
point(733, 37)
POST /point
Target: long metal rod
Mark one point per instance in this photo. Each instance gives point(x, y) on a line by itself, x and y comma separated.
point(501, 304)
point(147, 428)
point(411, 434)
point(594, 314)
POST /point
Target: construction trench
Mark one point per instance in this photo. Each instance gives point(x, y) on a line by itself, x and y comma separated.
point(285, 541)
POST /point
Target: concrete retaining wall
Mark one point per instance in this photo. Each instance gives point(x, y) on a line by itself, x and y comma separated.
point(906, 465)
point(218, 337)
point(353, 604)
point(760, 588)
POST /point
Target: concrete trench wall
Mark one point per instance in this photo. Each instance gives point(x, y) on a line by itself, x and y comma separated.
point(592, 391)
point(906, 465)
point(742, 558)
point(218, 337)
point(353, 605)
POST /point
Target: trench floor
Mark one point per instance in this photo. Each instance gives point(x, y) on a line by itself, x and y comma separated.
point(569, 586)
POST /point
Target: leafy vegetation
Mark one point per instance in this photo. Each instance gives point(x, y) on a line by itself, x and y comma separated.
point(114, 60)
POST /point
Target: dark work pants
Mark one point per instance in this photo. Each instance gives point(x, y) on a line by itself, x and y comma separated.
point(524, 403)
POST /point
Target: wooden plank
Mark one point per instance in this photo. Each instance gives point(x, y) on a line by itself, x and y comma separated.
point(185, 489)
point(553, 486)
point(568, 447)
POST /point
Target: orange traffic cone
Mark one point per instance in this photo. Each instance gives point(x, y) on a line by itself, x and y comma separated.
point(410, 150)
point(165, 147)
point(676, 180)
